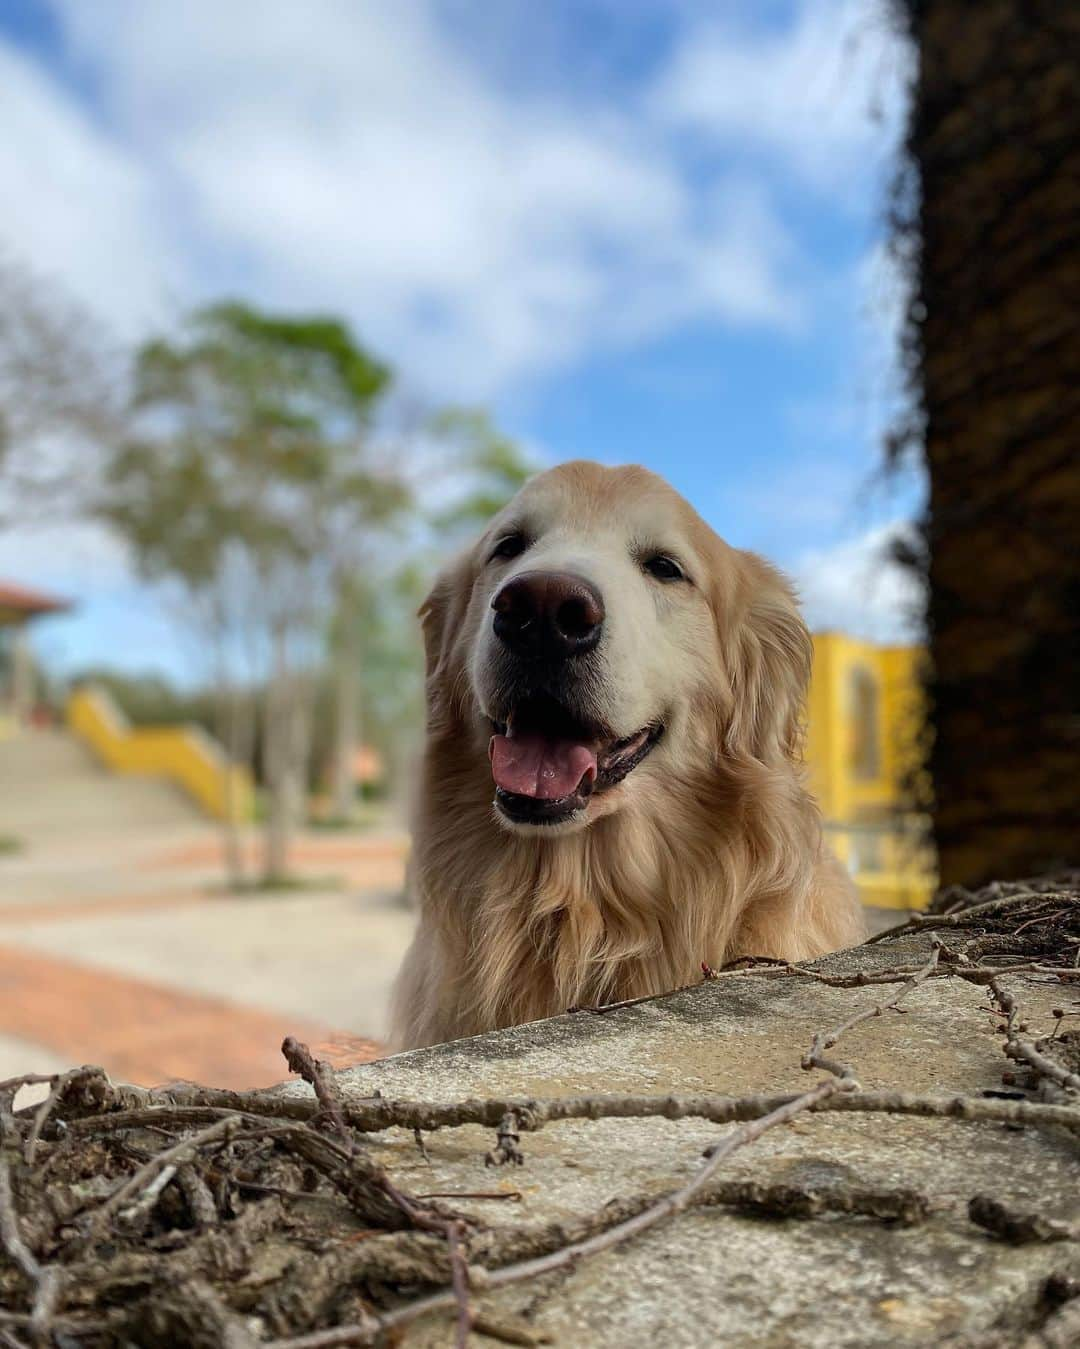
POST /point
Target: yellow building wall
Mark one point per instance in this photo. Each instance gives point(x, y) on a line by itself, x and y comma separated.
point(184, 755)
point(866, 798)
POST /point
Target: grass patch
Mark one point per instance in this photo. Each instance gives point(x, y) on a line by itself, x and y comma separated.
point(364, 816)
point(289, 884)
point(10, 845)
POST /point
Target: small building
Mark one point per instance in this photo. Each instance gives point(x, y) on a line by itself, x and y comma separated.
point(865, 722)
point(19, 608)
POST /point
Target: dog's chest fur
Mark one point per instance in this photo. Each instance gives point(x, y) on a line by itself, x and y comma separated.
point(525, 928)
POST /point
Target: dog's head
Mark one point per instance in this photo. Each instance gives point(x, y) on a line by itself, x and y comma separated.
point(602, 641)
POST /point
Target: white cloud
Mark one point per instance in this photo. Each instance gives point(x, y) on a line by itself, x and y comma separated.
point(856, 588)
point(76, 205)
point(813, 95)
point(347, 156)
point(75, 559)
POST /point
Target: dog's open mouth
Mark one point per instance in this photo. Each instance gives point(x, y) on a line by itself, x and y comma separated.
point(546, 763)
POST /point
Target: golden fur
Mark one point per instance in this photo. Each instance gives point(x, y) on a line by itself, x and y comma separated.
point(709, 850)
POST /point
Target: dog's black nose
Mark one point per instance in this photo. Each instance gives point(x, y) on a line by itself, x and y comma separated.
point(548, 615)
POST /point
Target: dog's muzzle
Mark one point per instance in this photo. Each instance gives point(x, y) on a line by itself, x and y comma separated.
point(547, 759)
point(547, 764)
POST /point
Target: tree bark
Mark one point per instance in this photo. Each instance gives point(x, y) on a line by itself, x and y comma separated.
point(346, 708)
point(995, 135)
point(239, 744)
point(279, 737)
point(235, 735)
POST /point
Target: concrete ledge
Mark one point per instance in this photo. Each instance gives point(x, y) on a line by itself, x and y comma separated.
point(715, 1275)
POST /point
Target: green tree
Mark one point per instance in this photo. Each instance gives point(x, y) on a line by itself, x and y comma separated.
point(60, 398)
point(487, 468)
point(255, 482)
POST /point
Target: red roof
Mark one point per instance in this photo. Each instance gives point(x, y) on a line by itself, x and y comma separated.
point(23, 601)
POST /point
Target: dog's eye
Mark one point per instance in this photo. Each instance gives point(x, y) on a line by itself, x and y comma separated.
point(664, 568)
point(510, 546)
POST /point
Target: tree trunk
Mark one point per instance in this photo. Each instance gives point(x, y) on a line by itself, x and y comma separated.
point(239, 743)
point(995, 136)
point(232, 846)
point(346, 709)
point(234, 736)
point(279, 736)
point(22, 675)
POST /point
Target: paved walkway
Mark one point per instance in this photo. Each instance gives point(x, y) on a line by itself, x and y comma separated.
point(142, 1032)
point(119, 945)
point(320, 956)
point(198, 984)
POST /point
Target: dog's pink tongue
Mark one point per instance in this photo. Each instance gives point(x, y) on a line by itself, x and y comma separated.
point(529, 764)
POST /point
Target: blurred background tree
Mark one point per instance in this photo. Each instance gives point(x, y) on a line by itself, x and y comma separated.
point(254, 482)
point(988, 213)
point(61, 396)
point(487, 467)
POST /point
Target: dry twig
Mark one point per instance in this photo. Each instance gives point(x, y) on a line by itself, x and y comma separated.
point(147, 1174)
point(47, 1281)
point(1018, 1225)
point(924, 922)
point(507, 1141)
point(531, 1113)
point(60, 1086)
point(815, 1058)
point(1022, 1049)
point(320, 1076)
point(670, 1204)
point(328, 1092)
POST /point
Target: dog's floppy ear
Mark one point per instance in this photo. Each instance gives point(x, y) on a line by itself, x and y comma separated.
point(772, 655)
point(432, 615)
point(441, 617)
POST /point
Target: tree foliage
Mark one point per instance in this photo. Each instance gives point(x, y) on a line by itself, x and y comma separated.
point(253, 436)
point(259, 476)
point(253, 479)
point(483, 460)
point(60, 398)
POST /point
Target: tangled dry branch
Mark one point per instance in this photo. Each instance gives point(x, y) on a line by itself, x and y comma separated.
point(129, 1215)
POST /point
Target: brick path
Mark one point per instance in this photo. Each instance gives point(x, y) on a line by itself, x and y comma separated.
point(143, 1033)
point(119, 874)
point(375, 862)
point(53, 912)
point(141, 1030)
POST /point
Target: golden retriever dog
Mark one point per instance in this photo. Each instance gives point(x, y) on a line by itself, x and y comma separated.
point(612, 789)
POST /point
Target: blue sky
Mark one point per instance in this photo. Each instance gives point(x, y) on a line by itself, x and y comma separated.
point(638, 230)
